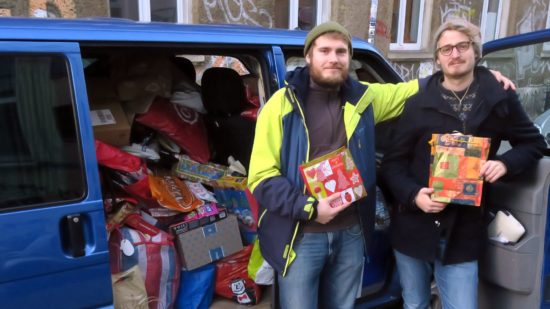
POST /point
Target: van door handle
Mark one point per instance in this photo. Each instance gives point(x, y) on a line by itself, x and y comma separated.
point(73, 238)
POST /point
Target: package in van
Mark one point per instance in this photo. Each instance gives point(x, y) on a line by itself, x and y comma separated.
point(126, 172)
point(109, 122)
point(181, 124)
point(232, 280)
point(172, 193)
point(156, 258)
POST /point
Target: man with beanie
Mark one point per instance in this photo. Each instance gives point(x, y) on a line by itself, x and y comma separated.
point(316, 250)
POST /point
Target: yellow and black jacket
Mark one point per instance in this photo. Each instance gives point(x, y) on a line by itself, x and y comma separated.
point(281, 145)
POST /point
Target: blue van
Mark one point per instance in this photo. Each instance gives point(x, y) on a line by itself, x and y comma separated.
point(53, 243)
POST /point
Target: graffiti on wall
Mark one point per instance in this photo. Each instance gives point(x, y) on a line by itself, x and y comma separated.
point(413, 70)
point(238, 12)
point(529, 62)
point(457, 9)
point(382, 29)
point(533, 99)
point(533, 17)
point(529, 67)
point(52, 9)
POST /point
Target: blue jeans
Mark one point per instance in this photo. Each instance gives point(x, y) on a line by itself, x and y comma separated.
point(326, 272)
point(457, 283)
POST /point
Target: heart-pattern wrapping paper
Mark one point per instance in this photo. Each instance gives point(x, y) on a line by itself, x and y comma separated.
point(332, 173)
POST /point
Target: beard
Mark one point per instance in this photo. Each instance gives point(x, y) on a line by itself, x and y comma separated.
point(332, 81)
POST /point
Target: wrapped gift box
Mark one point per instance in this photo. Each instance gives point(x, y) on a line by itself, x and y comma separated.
point(331, 173)
point(456, 162)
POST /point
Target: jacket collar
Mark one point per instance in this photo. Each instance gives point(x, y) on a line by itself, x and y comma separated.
point(490, 94)
point(298, 81)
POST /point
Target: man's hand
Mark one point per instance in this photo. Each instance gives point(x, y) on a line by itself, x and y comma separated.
point(505, 81)
point(492, 170)
point(325, 213)
point(424, 202)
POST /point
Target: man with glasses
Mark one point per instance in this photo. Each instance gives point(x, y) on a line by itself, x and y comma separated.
point(438, 239)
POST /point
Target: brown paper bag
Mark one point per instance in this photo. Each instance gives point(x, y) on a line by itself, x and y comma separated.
point(129, 290)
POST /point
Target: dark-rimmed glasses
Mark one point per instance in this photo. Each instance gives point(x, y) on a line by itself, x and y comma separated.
point(461, 47)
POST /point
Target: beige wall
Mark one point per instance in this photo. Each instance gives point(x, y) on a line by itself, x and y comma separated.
point(526, 16)
point(383, 26)
point(15, 8)
point(55, 8)
point(89, 8)
point(352, 14)
point(252, 12)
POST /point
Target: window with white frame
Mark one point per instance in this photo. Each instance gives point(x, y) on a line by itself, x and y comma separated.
point(490, 20)
point(406, 30)
point(301, 14)
point(288, 14)
point(175, 11)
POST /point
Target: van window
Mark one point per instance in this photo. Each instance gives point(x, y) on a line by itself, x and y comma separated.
point(527, 66)
point(204, 62)
point(40, 161)
point(224, 86)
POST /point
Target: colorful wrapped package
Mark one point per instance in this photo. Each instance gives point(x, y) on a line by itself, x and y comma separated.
point(331, 173)
point(233, 194)
point(456, 162)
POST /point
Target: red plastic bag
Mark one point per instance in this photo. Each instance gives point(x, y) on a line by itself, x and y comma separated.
point(127, 172)
point(232, 279)
point(251, 113)
point(181, 124)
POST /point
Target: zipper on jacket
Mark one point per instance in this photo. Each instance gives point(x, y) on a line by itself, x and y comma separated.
point(294, 101)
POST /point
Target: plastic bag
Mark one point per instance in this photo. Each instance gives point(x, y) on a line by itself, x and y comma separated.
point(232, 280)
point(155, 256)
point(173, 193)
point(181, 124)
point(258, 269)
point(129, 289)
point(196, 288)
point(127, 172)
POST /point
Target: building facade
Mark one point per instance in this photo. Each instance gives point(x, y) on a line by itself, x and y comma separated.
point(408, 44)
point(401, 29)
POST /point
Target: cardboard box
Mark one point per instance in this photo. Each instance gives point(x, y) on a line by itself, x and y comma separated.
point(109, 123)
point(208, 243)
point(187, 225)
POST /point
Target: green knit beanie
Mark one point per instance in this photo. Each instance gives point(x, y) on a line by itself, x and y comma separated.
point(329, 26)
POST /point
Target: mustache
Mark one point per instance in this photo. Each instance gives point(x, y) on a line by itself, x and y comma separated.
point(456, 62)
